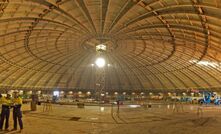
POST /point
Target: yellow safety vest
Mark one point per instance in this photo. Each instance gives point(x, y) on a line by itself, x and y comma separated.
point(5, 101)
point(17, 101)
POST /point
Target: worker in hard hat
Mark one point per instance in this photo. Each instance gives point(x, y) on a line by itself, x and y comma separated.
point(5, 113)
point(0, 103)
point(17, 114)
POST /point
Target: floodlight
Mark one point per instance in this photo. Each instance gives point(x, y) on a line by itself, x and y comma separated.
point(100, 62)
point(56, 93)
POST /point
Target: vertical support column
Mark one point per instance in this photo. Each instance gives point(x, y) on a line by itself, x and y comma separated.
point(100, 83)
point(34, 101)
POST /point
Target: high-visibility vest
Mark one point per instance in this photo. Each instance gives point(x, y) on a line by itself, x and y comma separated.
point(5, 101)
point(17, 101)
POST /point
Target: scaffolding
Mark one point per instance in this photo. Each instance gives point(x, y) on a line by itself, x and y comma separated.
point(100, 73)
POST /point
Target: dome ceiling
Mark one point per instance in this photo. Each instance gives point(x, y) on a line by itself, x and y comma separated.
point(151, 44)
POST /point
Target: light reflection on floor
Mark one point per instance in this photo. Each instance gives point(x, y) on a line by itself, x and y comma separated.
point(131, 119)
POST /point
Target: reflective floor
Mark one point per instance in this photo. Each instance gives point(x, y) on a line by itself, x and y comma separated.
point(130, 119)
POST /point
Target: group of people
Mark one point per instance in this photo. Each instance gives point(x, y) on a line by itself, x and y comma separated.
point(7, 103)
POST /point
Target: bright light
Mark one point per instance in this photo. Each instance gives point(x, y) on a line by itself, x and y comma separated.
point(102, 109)
point(92, 65)
point(30, 92)
point(56, 93)
point(100, 62)
point(206, 63)
point(101, 47)
point(21, 92)
point(102, 94)
point(134, 106)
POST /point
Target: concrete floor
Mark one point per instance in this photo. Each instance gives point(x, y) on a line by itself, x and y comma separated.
point(159, 119)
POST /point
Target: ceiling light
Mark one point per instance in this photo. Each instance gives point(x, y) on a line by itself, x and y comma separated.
point(101, 47)
point(56, 93)
point(100, 62)
point(206, 63)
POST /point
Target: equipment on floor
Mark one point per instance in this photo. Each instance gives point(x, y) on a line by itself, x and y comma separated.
point(209, 97)
point(206, 98)
point(80, 105)
point(217, 101)
point(185, 99)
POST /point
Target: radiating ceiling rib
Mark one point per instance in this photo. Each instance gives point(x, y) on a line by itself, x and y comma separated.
point(108, 77)
point(45, 60)
point(51, 6)
point(47, 71)
point(114, 73)
point(158, 71)
point(152, 86)
point(56, 42)
point(89, 80)
point(104, 9)
point(131, 55)
point(167, 26)
point(130, 70)
point(128, 5)
point(176, 26)
point(34, 24)
point(210, 76)
point(172, 70)
point(165, 11)
point(40, 19)
point(159, 61)
point(86, 13)
point(124, 72)
point(77, 65)
point(64, 73)
point(176, 76)
point(78, 82)
point(20, 66)
point(61, 38)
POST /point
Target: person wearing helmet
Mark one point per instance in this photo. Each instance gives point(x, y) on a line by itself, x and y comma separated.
point(5, 113)
point(17, 114)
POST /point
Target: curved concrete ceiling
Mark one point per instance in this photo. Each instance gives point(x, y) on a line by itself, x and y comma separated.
point(152, 44)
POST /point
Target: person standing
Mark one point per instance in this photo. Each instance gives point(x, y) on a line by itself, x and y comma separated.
point(118, 106)
point(17, 114)
point(0, 103)
point(5, 113)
